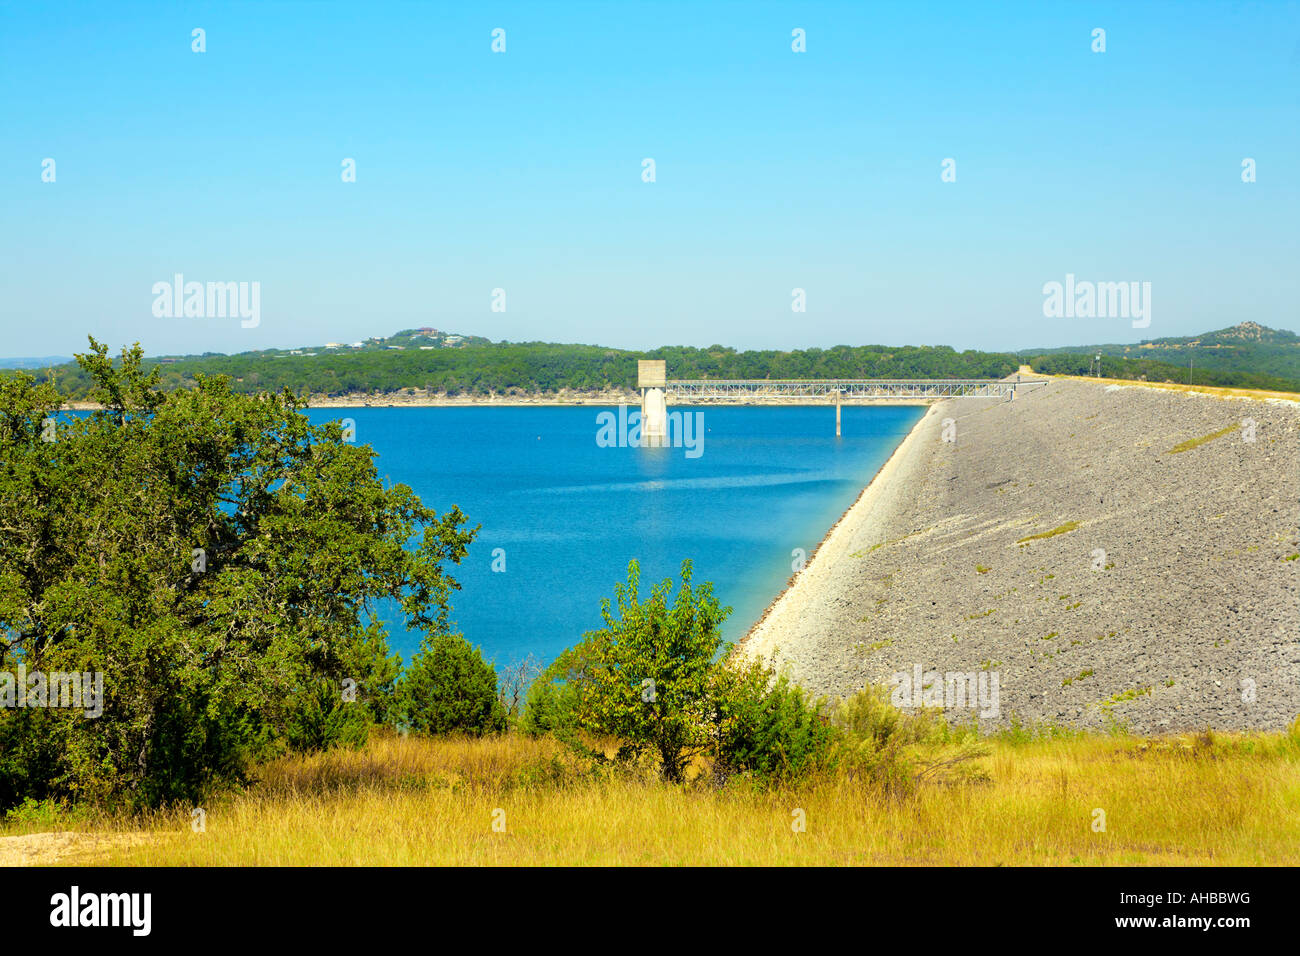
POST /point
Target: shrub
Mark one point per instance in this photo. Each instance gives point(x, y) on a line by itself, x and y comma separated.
point(41, 815)
point(449, 688)
point(768, 728)
point(321, 719)
point(869, 720)
point(549, 708)
point(656, 677)
point(552, 702)
point(898, 748)
point(877, 735)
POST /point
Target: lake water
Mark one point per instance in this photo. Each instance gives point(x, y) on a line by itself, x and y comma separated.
point(569, 514)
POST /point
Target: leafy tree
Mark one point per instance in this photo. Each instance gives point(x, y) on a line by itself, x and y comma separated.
point(448, 687)
point(214, 556)
point(646, 676)
point(658, 678)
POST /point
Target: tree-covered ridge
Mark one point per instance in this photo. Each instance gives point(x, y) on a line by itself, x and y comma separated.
point(539, 367)
point(435, 362)
point(1247, 355)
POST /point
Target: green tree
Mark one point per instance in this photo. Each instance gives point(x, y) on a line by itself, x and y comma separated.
point(214, 556)
point(448, 687)
point(647, 674)
point(659, 678)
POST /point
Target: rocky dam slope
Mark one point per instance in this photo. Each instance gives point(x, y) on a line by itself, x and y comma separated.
point(1115, 555)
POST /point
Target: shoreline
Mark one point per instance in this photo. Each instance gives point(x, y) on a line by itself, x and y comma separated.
point(618, 400)
point(758, 640)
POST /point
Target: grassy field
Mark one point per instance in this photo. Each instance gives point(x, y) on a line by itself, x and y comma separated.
point(511, 800)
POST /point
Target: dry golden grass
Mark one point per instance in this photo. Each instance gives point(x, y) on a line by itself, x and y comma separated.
point(1223, 800)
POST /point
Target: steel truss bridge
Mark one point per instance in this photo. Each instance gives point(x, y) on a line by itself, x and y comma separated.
point(840, 390)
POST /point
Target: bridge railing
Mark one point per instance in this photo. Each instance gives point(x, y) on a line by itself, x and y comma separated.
point(845, 388)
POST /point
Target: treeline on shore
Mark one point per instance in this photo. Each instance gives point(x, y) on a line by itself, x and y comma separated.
point(537, 368)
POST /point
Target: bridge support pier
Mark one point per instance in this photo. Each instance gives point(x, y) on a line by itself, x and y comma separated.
point(654, 416)
point(837, 414)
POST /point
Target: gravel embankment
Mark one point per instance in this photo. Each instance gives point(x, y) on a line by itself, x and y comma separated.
point(1191, 619)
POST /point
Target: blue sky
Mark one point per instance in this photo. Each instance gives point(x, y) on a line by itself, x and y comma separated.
point(522, 170)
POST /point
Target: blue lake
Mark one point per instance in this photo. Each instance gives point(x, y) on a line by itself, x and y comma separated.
point(569, 514)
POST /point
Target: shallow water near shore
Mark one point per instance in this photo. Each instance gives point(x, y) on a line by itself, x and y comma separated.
point(569, 514)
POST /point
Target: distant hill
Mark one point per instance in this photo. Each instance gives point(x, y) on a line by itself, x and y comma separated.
point(43, 362)
point(416, 339)
point(1243, 333)
point(1247, 355)
point(426, 338)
